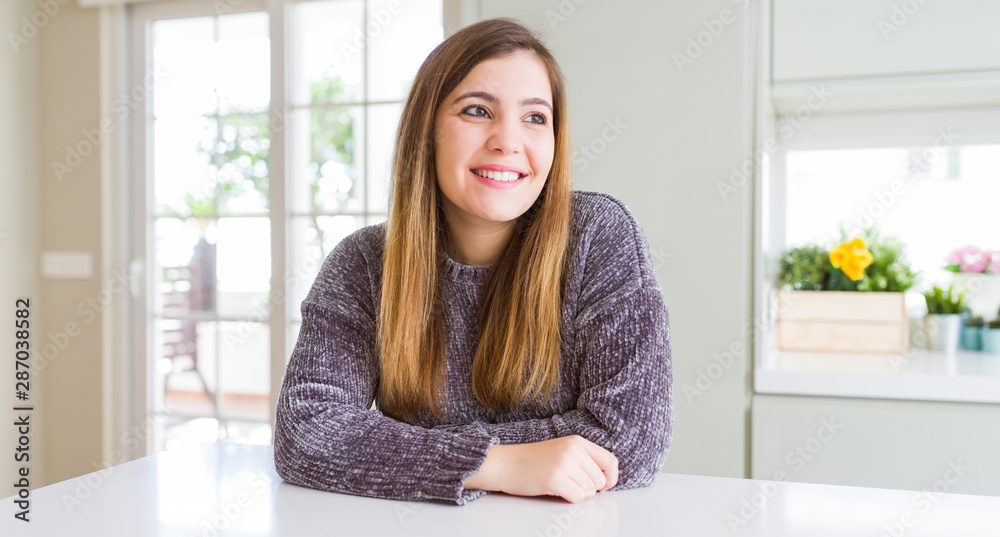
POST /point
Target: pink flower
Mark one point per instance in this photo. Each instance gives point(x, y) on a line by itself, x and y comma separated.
point(994, 261)
point(979, 265)
point(970, 259)
point(955, 257)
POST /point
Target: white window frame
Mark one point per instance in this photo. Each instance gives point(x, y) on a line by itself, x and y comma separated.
point(901, 128)
point(855, 130)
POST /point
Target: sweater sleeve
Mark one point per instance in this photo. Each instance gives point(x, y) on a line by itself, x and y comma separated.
point(622, 338)
point(625, 402)
point(327, 437)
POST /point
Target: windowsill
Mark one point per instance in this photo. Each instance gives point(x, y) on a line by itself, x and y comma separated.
point(964, 376)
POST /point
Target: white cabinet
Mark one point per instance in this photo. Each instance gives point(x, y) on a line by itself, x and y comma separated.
point(914, 445)
point(816, 39)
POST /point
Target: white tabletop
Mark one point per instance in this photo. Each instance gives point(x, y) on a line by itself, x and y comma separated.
point(963, 376)
point(230, 489)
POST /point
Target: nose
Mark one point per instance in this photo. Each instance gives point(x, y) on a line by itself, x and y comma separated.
point(505, 136)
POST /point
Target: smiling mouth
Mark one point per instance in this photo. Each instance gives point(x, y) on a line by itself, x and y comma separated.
point(503, 177)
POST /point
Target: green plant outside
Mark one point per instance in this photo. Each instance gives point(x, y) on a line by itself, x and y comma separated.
point(241, 156)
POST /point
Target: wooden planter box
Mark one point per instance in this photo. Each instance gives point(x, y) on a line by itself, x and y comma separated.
point(842, 321)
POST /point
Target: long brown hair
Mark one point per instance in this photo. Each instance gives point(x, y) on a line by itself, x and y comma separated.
point(518, 352)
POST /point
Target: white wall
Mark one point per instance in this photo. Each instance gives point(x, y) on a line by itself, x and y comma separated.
point(70, 218)
point(18, 224)
point(685, 127)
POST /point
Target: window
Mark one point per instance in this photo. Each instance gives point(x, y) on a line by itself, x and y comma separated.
point(934, 198)
point(255, 167)
point(928, 176)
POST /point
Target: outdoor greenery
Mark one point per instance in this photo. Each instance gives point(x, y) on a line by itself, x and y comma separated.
point(333, 175)
point(239, 155)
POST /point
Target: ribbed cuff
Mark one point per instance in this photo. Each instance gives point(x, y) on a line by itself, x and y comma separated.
point(466, 453)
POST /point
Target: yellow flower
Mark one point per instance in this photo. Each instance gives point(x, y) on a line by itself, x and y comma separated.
point(852, 257)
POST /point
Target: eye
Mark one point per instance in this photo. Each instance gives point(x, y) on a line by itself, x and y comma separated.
point(542, 120)
point(475, 106)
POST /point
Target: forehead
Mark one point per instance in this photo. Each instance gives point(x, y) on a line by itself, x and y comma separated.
point(519, 74)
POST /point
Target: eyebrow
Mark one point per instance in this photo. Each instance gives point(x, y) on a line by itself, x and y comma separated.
point(489, 97)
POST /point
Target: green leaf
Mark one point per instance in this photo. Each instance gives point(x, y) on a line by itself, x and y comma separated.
point(939, 303)
point(808, 267)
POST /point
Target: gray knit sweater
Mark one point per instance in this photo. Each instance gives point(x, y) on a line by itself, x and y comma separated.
point(615, 373)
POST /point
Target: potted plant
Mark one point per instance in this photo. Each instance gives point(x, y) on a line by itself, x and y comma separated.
point(991, 336)
point(847, 298)
point(978, 272)
point(972, 334)
point(943, 322)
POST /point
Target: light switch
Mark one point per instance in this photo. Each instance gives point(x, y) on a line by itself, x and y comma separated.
point(67, 265)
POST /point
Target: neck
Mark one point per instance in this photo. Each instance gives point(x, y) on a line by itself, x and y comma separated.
point(476, 243)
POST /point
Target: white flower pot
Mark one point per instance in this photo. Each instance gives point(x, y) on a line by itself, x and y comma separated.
point(944, 332)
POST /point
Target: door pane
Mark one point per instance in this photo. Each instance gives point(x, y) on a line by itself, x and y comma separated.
point(244, 353)
point(245, 67)
point(241, 154)
point(184, 275)
point(383, 120)
point(185, 53)
point(392, 66)
point(184, 366)
point(328, 45)
point(244, 265)
point(184, 166)
point(328, 163)
point(314, 239)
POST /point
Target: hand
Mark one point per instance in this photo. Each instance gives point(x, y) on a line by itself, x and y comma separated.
point(571, 467)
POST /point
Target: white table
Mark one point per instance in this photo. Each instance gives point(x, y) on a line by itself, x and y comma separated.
point(230, 489)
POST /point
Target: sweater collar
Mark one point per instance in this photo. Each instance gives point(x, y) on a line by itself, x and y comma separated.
point(453, 270)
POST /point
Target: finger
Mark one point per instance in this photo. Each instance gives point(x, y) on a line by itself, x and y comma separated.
point(607, 461)
point(595, 473)
point(610, 469)
point(578, 487)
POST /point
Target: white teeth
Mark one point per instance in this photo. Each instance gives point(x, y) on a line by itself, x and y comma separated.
point(506, 177)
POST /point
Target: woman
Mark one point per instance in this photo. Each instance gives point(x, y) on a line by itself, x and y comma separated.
point(510, 330)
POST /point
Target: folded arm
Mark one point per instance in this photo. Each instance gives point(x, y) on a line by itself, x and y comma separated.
point(625, 399)
point(327, 437)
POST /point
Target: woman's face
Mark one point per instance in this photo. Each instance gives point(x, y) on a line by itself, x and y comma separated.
point(499, 118)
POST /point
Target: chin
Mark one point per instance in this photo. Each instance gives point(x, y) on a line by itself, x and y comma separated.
point(503, 212)
point(498, 218)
